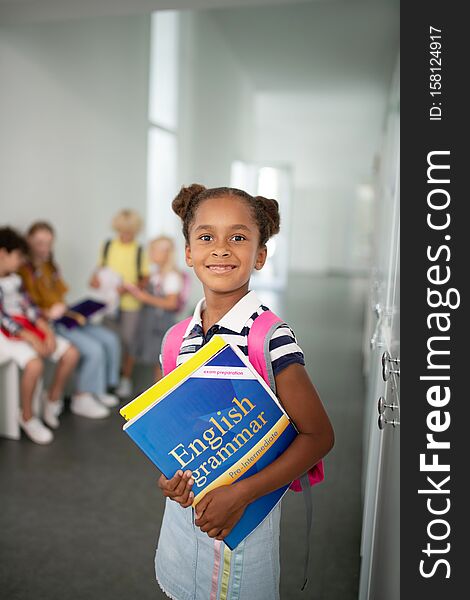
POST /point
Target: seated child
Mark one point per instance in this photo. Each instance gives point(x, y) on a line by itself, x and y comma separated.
point(27, 339)
point(160, 302)
point(100, 352)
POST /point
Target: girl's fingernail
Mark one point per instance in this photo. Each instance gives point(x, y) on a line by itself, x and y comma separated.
point(180, 473)
point(188, 474)
point(191, 495)
point(190, 482)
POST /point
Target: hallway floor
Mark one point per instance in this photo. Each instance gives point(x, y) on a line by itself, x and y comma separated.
point(79, 518)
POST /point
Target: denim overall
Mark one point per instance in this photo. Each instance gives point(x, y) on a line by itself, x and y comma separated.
point(190, 565)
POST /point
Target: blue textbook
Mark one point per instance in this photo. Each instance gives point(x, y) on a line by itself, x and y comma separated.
point(215, 416)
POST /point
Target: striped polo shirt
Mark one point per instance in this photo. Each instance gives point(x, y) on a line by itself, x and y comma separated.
point(234, 327)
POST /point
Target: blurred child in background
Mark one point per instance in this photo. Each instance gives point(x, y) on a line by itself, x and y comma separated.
point(161, 302)
point(100, 352)
point(27, 339)
point(125, 257)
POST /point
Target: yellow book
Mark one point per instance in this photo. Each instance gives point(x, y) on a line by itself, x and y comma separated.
point(167, 383)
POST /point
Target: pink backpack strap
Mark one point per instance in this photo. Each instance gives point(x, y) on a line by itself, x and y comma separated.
point(259, 337)
point(171, 345)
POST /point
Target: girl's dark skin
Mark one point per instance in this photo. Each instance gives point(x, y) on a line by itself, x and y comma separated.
point(224, 249)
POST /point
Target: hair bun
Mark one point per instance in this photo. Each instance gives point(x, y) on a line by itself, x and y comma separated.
point(186, 195)
point(271, 210)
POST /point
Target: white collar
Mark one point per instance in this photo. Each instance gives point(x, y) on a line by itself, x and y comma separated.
point(235, 319)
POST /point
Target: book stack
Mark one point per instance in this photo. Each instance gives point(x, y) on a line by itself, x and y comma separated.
point(215, 416)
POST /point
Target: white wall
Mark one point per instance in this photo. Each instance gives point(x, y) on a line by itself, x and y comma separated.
point(73, 122)
point(329, 138)
point(321, 73)
point(216, 104)
point(216, 109)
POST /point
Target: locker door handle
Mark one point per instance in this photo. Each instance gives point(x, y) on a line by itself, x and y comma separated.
point(382, 405)
point(382, 422)
point(387, 363)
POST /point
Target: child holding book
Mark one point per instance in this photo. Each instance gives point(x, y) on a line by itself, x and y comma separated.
point(27, 339)
point(100, 350)
point(160, 302)
point(226, 231)
point(124, 256)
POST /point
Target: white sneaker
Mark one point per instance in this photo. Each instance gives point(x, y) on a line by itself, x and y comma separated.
point(59, 406)
point(50, 412)
point(36, 430)
point(109, 400)
point(85, 405)
point(124, 389)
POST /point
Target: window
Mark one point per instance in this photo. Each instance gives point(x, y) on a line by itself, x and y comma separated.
point(162, 142)
point(270, 182)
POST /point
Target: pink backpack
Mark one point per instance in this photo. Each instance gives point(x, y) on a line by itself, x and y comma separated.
point(259, 337)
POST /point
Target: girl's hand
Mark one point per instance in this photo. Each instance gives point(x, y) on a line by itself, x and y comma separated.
point(35, 342)
point(50, 342)
point(56, 311)
point(220, 510)
point(178, 488)
point(131, 288)
point(135, 291)
point(94, 281)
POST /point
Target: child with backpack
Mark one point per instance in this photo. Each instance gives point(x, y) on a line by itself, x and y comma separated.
point(125, 257)
point(161, 300)
point(226, 231)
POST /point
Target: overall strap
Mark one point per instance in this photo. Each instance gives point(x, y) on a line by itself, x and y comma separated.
point(171, 345)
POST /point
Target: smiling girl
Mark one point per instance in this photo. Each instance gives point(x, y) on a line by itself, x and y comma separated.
point(226, 231)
